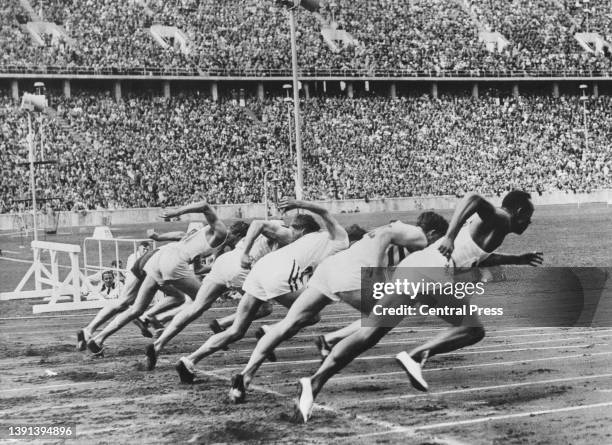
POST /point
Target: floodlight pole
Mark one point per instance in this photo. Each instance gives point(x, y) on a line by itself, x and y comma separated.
point(32, 179)
point(288, 102)
point(584, 99)
point(299, 180)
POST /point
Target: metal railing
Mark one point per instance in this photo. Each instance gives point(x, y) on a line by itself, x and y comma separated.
point(304, 72)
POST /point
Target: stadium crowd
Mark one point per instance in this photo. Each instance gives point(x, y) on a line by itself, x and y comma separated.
point(432, 36)
point(146, 152)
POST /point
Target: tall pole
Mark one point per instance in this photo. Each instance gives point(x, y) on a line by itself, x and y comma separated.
point(290, 135)
point(586, 127)
point(299, 180)
point(32, 181)
point(584, 99)
point(42, 139)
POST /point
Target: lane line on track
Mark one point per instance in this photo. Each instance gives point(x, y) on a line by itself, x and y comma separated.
point(488, 388)
point(408, 340)
point(513, 416)
point(246, 351)
point(484, 365)
point(450, 368)
point(59, 385)
point(497, 345)
point(413, 430)
point(230, 310)
point(392, 357)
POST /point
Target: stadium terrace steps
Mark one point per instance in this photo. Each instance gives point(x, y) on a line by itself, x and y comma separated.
point(25, 4)
point(57, 33)
point(592, 42)
point(332, 36)
point(162, 34)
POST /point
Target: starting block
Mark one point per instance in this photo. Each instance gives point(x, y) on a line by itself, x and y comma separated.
point(102, 232)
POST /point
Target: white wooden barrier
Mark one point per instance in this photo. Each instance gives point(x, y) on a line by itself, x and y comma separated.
point(47, 281)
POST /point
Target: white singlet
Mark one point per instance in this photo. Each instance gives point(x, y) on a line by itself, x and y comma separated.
point(173, 261)
point(226, 270)
point(342, 271)
point(289, 268)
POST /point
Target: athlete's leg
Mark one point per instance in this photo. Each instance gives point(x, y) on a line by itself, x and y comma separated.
point(145, 295)
point(189, 285)
point(247, 308)
point(353, 299)
point(265, 310)
point(449, 340)
point(345, 352)
point(173, 298)
point(301, 314)
point(207, 295)
point(167, 316)
point(332, 338)
point(128, 295)
point(466, 330)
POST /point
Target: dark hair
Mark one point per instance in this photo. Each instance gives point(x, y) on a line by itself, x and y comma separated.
point(145, 244)
point(355, 232)
point(432, 221)
point(517, 199)
point(108, 272)
point(113, 264)
point(239, 229)
point(306, 222)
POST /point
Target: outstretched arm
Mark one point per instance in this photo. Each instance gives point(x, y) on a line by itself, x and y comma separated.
point(526, 259)
point(333, 227)
point(195, 207)
point(271, 230)
point(216, 225)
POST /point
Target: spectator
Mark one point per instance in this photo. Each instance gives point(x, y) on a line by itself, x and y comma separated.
point(149, 152)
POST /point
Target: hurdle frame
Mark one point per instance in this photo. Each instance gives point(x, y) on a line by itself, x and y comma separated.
point(70, 287)
point(100, 267)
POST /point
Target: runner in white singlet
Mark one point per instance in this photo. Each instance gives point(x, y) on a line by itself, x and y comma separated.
point(226, 273)
point(170, 265)
point(339, 278)
point(278, 276)
point(473, 245)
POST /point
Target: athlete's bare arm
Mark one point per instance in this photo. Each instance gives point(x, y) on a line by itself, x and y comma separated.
point(271, 230)
point(495, 221)
point(526, 259)
point(404, 235)
point(333, 227)
point(168, 236)
point(216, 226)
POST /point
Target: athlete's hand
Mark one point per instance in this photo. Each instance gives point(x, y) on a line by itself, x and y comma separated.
point(531, 258)
point(154, 236)
point(288, 204)
point(245, 261)
point(446, 247)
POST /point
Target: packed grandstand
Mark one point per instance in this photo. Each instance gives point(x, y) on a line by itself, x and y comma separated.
point(433, 36)
point(146, 150)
